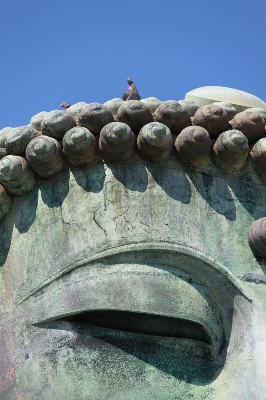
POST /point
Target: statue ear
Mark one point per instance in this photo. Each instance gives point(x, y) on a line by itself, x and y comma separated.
point(125, 96)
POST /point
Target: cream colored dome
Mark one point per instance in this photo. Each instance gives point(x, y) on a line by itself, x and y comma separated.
point(239, 99)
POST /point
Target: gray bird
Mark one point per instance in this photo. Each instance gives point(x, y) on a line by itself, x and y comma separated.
point(65, 105)
point(132, 92)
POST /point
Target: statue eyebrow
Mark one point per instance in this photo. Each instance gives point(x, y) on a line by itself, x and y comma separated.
point(141, 247)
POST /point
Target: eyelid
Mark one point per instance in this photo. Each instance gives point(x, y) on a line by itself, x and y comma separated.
point(136, 289)
point(174, 251)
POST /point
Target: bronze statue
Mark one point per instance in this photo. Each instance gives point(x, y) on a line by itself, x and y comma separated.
point(125, 266)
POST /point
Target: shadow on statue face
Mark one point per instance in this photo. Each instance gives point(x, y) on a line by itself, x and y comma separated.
point(187, 360)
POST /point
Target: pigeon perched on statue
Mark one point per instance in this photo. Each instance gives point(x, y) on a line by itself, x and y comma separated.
point(65, 105)
point(132, 92)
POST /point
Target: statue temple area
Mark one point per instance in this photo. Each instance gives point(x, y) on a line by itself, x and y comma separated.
point(132, 250)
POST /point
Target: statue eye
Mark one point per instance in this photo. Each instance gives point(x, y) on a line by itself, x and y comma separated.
point(142, 323)
point(134, 298)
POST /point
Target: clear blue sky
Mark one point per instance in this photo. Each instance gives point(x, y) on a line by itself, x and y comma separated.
point(72, 50)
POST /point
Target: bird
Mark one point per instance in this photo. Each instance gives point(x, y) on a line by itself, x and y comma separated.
point(132, 92)
point(65, 105)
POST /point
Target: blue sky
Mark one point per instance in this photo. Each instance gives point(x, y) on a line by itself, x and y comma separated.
point(72, 50)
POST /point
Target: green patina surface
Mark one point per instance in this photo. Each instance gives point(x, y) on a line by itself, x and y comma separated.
point(143, 239)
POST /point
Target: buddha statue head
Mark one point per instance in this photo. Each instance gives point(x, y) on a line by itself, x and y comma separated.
point(125, 266)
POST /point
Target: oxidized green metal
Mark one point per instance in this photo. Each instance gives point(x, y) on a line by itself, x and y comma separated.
point(134, 280)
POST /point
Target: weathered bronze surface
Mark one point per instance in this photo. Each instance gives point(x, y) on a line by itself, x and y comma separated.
point(80, 147)
point(45, 156)
point(116, 142)
point(213, 118)
point(133, 278)
point(251, 124)
point(193, 146)
point(173, 115)
point(94, 117)
point(135, 114)
point(230, 150)
point(257, 237)
point(18, 139)
point(56, 123)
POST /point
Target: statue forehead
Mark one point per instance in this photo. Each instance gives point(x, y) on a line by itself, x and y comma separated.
point(79, 215)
